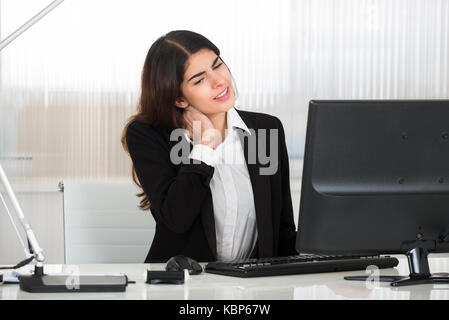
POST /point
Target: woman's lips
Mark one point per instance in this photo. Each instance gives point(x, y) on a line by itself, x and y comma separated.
point(224, 97)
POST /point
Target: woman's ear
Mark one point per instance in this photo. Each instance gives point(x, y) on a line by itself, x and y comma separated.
point(181, 103)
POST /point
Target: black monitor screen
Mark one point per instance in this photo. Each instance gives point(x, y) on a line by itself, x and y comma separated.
point(375, 177)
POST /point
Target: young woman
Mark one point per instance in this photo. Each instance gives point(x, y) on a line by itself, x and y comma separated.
point(217, 203)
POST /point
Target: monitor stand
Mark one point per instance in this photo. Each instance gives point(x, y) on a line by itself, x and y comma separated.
point(419, 272)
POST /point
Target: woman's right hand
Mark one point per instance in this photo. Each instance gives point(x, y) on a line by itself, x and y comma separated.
point(200, 128)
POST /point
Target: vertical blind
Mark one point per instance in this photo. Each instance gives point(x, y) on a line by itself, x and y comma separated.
point(68, 85)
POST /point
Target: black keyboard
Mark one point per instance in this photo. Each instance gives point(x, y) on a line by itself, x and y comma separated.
point(303, 263)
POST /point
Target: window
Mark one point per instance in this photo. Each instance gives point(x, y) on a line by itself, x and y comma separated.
point(68, 85)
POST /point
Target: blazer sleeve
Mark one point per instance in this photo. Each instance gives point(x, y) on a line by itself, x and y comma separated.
point(287, 232)
point(175, 196)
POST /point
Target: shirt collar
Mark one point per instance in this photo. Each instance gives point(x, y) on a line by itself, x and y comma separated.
point(233, 120)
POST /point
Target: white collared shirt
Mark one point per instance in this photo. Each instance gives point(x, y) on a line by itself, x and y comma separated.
point(232, 193)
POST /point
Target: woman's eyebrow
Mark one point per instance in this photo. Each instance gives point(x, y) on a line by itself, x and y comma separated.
point(215, 61)
point(196, 75)
point(203, 72)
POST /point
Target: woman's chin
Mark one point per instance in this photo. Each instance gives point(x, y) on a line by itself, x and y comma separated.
point(218, 109)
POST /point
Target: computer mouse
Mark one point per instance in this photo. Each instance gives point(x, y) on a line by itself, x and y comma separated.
point(180, 262)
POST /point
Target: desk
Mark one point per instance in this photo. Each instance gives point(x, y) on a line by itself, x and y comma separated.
point(209, 286)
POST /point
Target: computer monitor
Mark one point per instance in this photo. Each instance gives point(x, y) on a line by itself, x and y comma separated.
point(376, 180)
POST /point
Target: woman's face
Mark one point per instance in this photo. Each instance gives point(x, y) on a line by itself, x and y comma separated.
point(207, 84)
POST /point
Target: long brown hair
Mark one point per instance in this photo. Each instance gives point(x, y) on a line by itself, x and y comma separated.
point(162, 75)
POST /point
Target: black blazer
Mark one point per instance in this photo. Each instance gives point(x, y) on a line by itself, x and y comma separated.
point(181, 200)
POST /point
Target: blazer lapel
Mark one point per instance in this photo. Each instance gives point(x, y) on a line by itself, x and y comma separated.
point(261, 190)
point(207, 211)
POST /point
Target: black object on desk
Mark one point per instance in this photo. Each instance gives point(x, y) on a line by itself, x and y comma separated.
point(181, 262)
point(73, 283)
point(300, 264)
point(165, 277)
point(375, 181)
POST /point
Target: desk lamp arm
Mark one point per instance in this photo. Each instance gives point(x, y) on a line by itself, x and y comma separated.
point(34, 244)
point(37, 250)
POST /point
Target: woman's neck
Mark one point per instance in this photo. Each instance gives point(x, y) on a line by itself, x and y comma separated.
point(219, 120)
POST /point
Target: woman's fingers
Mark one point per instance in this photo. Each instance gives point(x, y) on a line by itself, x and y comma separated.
point(200, 127)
